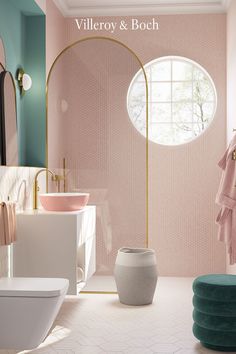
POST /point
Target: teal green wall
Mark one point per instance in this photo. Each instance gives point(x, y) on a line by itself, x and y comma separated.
point(35, 99)
point(22, 29)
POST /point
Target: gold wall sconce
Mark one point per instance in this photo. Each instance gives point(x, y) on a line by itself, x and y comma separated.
point(24, 80)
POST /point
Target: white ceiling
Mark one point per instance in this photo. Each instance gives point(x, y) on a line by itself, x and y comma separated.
point(82, 8)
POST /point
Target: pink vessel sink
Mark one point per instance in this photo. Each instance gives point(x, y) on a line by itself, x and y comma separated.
point(64, 201)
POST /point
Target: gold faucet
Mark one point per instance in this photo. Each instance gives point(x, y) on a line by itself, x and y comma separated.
point(36, 186)
point(59, 178)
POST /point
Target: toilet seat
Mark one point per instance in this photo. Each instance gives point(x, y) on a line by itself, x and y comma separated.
point(32, 287)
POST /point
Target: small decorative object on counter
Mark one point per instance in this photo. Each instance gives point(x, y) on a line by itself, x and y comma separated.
point(136, 275)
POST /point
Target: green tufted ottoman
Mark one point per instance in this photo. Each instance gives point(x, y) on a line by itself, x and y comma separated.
point(214, 312)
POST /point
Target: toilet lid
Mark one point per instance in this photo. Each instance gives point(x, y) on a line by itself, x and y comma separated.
point(33, 287)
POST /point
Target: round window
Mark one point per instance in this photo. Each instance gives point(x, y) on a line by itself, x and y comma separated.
point(181, 100)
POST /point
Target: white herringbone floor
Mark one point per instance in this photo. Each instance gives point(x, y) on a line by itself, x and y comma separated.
point(99, 324)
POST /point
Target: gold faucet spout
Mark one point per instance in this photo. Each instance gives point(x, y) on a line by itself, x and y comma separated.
point(36, 186)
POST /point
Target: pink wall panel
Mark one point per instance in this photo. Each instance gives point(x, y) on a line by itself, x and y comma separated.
point(56, 38)
point(182, 209)
point(184, 179)
point(231, 79)
point(104, 153)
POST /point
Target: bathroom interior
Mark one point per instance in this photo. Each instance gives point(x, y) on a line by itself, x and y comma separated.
point(110, 140)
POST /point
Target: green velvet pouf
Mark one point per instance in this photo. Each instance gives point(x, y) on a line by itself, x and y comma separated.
point(214, 312)
point(214, 308)
point(218, 348)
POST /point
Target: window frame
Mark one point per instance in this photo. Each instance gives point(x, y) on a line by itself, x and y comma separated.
point(172, 58)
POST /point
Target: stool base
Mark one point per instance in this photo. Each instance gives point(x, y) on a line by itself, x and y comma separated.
point(219, 348)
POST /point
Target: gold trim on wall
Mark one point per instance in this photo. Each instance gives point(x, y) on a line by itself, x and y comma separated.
point(147, 128)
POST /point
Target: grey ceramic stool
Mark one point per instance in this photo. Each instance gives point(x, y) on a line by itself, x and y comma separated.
point(136, 275)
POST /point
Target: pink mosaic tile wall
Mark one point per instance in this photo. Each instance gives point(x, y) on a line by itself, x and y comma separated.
point(183, 180)
point(105, 155)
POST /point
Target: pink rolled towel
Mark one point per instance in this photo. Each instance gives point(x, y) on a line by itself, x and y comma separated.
point(7, 223)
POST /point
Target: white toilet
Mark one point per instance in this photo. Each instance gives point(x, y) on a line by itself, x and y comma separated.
point(28, 307)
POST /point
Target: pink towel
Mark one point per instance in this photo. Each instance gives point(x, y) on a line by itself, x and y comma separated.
point(7, 223)
point(226, 198)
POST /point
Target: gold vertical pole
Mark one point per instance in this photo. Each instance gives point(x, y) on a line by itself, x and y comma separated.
point(64, 174)
point(35, 194)
point(147, 164)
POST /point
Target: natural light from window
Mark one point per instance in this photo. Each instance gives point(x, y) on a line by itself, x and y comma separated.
point(181, 100)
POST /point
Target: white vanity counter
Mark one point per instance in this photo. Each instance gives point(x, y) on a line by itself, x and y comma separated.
point(56, 244)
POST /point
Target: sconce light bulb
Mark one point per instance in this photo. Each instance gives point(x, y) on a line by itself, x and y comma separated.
point(26, 82)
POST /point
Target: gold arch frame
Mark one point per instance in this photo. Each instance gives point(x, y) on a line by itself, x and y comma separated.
point(14, 87)
point(147, 141)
